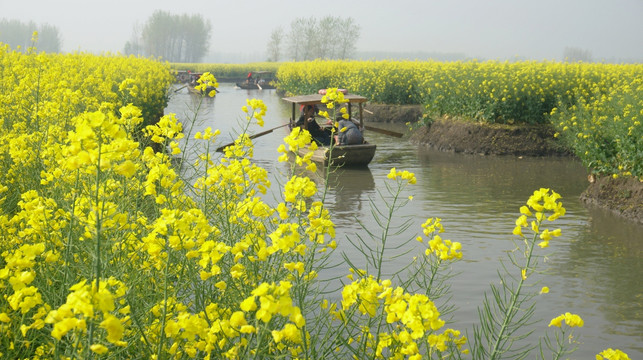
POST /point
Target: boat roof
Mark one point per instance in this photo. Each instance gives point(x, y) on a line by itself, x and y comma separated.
point(317, 99)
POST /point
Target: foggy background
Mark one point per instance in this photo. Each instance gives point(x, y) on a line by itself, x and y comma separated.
point(611, 30)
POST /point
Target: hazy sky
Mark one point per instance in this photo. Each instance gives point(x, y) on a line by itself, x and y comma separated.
point(488, 29)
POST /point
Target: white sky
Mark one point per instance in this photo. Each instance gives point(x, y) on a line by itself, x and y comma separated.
point(487, 29)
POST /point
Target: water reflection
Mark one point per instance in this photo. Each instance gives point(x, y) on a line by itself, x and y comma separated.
point(348, 193)
point(601, 274)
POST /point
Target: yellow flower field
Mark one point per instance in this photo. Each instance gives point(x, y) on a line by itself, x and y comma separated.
point(106, 252)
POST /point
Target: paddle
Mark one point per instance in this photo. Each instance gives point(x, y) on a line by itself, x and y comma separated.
point(382, 131)
point(220, 148)
point(181, 88)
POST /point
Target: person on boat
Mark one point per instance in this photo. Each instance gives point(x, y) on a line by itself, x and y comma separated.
point(307, 121)
point(347, 133)
point(249, 78)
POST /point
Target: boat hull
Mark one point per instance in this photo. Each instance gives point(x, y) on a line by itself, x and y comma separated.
point(343, 155)
point(192, 90)
point(253, 86)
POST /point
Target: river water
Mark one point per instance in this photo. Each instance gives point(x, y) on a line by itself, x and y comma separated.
point(594, 269)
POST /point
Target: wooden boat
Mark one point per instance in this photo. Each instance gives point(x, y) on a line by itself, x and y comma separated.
point(260, 80)
point(336, 155)
point(193, 83)
point(192, 90)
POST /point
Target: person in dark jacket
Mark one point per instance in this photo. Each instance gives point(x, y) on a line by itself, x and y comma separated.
point(348, 133)
point(307, 121)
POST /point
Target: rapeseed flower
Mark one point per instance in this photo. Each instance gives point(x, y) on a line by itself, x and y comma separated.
point(612, 354)
point(572, 320)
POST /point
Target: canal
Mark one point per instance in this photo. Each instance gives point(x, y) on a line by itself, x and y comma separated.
point(594, 269)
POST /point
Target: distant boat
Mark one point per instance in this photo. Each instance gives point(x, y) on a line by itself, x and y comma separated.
point(259, 80)
point(193, 90)
point(193, 83)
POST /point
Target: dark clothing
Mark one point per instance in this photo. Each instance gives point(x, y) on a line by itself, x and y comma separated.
point(351, 136)
point(322, 137)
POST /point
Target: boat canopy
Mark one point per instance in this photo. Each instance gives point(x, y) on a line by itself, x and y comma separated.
point(315, 99)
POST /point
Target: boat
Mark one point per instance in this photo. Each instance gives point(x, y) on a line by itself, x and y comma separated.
point(257, 80)
point(193, 90)
point(336, 155)
point(193, 83)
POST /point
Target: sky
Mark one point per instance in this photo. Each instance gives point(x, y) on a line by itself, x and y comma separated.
point(483, 29)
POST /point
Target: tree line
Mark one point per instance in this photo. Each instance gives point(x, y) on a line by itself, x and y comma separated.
point(186, 38)
point(17, 34)
point(175, 38)
point(330, 37)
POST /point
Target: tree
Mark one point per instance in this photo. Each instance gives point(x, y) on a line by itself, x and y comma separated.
point(274, 45)
point(347, 38)
point(176, 38)
point(329, 38)
point(135, 45)
point(18, 34)
point(49, 39)
point(574, 54)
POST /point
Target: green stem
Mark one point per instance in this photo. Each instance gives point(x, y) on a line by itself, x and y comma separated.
point(97, 254)
point(187, 136)
point(164, 315)
point(385, 235)
point(496, 352)
point(64, 288)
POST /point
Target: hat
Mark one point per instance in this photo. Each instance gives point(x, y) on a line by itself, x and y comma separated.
point(306, 107)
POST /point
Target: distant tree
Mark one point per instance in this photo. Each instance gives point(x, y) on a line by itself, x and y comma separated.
point(347, 38)
point(196, 37)
point(49, 39)
point(574, 54)
point(301, 38)
point(18, 34)
point(329, 29)
point(329, 38)
point(135, 45)
point(274, 45)
point(175, 38)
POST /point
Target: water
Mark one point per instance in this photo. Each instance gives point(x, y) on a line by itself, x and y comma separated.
point(595, 268)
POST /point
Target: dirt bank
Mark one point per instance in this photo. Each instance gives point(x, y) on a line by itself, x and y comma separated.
point(455, 135)
point(393, 113)
point(623, 196)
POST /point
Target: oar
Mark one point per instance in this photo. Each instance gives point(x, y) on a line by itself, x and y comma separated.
point(181, 88)
point(383, 131)
point(220, 148)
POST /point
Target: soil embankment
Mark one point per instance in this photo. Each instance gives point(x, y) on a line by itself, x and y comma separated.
point(623, 196)
point(489, 139)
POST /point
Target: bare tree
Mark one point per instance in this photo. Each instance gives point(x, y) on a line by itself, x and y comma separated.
point(135, 45)
point(347, 38)
point(301, 39)
point(325, 40)
point(329, 38)
point(274, 45)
